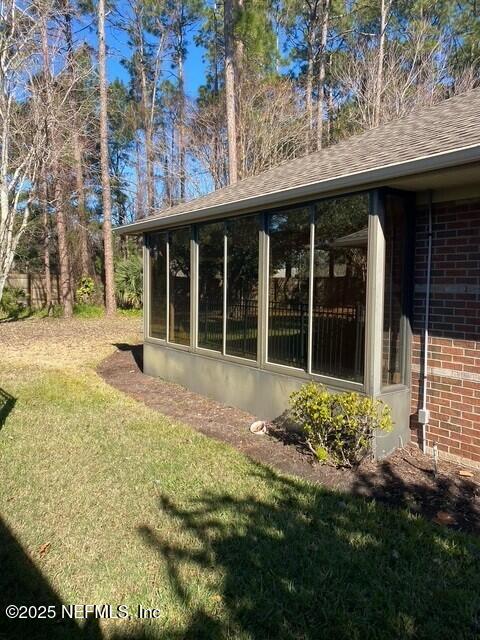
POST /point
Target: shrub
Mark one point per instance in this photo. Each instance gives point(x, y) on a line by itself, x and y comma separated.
point(85, 290)
point(13, 301)
point(338, 427)
point(129, 281)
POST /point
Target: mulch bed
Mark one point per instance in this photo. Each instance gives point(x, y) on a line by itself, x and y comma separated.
point(404, 479)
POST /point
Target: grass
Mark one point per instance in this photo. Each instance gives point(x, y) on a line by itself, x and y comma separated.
point(82, 311)
point(137, 510)
point(86, 311)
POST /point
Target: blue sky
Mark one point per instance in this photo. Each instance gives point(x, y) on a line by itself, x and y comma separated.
point(117, 44)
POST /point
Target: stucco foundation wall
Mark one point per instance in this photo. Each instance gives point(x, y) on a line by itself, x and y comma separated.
point(454, 346)
point(263, 393)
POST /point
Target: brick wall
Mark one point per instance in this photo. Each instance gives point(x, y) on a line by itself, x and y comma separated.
point(454, 345)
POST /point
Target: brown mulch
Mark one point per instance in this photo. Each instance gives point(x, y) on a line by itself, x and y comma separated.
point(404, 479)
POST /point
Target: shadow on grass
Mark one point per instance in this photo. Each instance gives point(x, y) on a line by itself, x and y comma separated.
point(7, 402)
point(424, 494)
point(290, 561)
point(22, 583)
point(301, 562)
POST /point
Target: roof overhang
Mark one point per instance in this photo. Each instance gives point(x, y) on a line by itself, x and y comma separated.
point(444, 160)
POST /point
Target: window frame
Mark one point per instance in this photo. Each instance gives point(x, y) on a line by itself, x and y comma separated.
point(371, 384)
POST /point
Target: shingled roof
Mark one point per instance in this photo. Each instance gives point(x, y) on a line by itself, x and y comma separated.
point(441, 133)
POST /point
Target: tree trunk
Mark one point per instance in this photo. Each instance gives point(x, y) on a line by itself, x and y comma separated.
point(238, 56)
point(146, 117)
point(63, 252)
point(66, 293)
point(330, 110)
point(230, 93)
point(82, 210)
point(46, 241)
point(321, 72)
point(384, 8)
point(181, 127)
point(77, 149)
point(110, 303)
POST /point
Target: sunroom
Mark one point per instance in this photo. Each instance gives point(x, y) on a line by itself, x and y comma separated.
point(246, 308)
point(305, 272)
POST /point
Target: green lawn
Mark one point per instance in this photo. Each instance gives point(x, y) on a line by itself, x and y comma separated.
point(137, 510)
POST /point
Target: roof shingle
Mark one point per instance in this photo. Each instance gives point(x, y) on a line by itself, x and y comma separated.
point(451, 125)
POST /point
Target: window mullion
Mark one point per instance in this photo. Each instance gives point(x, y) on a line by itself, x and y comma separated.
point(310, 291)
point(224, 319)
point(167, 270)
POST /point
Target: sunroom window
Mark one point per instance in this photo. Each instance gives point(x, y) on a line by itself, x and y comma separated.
point(179, 286)
point(289, 260)
point(242, 287)
point(210, 285)
point(340, 287)
point(158, 285)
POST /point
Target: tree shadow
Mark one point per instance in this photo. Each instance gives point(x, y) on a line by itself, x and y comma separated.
point(135, 349)
point(427, 495)
point(22, 583)
point(7, 402)
point(301, 562)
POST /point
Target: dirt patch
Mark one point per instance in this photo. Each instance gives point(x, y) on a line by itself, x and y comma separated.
point(405, 479)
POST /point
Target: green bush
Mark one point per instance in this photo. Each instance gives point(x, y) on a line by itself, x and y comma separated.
point(13, 301)
point(338, 427)
point(85, 290)
point(129, 281)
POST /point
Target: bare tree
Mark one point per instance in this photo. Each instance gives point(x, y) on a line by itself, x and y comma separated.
point(77, 143)
point(22, 136)
point(273, 129)
point(408, 83)
point(110, 303)
point(52, 133)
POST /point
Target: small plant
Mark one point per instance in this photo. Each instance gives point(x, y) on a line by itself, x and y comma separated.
point(13, 302)
point(338, 427)
point(85, 290)
point(129, 281)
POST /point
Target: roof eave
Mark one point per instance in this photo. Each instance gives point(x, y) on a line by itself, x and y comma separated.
point(435, 162)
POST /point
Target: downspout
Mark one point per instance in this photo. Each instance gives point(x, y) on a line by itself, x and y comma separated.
point(424, 413)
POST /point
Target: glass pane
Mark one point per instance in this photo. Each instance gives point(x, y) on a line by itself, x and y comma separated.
point(179, 283)
point(210, 285)
point(288, 287)
point(242, 287)
point(157, 244)
point(340, 287)
point(393, 311)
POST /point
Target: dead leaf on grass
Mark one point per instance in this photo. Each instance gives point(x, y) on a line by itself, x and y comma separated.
point(443, 517)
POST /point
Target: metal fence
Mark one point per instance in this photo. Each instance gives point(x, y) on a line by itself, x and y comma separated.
point(338, 334)
point(337, 338)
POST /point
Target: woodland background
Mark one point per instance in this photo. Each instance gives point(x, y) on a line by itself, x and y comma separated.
point(207, 94)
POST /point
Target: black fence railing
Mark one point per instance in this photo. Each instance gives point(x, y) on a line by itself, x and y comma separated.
point(338, 334)
point(242, 329)
point(337, 338)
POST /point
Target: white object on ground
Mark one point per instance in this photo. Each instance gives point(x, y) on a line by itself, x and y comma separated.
point(259, 428)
